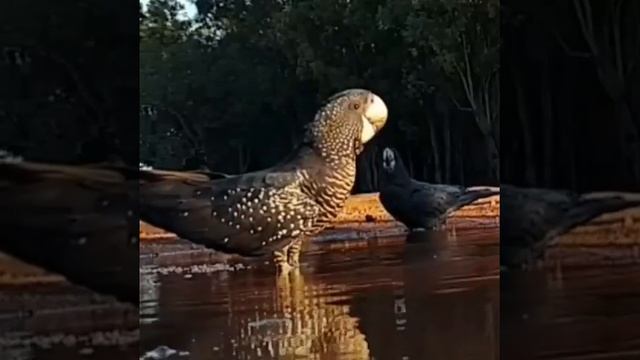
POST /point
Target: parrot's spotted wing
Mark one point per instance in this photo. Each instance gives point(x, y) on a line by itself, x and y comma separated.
point(249, 214)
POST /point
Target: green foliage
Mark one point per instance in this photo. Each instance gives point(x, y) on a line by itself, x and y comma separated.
point(237, 83)
point(62, 94)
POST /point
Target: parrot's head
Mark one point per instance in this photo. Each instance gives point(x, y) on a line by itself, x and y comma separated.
point(347, 121)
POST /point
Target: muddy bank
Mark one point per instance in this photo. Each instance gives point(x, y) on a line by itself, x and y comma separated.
point(363, 217)
point(609, 239)
point(365, 213)
point(612, 238)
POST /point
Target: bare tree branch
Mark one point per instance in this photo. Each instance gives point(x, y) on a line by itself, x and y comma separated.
point(191, 137)
point(457, 104)
point(617, 39)
point(82, 89)
point(586, 24)
point(566, 48)
point(467, 66)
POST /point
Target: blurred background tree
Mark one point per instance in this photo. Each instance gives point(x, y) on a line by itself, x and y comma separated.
point(232, 87)
point(69, 80)
point(570, 89)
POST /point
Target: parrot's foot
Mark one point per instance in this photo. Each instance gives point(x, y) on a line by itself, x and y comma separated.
point(280, 259)
point(293, 253)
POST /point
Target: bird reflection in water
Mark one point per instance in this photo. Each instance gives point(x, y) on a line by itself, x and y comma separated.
point(296, 317)
point(388, 299)
point(313, 325)
point(429, 309)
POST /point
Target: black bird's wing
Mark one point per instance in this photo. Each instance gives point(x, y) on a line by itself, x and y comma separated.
point(532, 219)
point(249, 214)
point(417, 204)
point(79, 221)
point(434, 201)
point(527, 216)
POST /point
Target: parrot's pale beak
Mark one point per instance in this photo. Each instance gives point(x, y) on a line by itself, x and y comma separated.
point(374, 118)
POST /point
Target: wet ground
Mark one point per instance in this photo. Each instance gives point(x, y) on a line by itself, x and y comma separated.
point(584, 302)
point(381, 298)
point(378, 297)
point(57, 320)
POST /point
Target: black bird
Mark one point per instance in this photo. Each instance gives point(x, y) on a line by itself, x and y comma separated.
point(531, 219)
point(78, 221)
point(420, 205)
point(270, 210)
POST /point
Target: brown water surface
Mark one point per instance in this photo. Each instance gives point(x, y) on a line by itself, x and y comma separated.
point(587, 313)
point(57, 320)
point(364, 299)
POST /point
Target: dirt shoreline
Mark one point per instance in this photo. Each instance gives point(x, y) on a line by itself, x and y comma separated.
point(363, 216)
point(366, 210)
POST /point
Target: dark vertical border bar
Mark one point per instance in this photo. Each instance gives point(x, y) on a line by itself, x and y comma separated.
point(69, 135)
point(570, 122)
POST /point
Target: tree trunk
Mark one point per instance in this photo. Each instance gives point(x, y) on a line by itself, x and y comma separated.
point(629, 141)
point(523, 115)
point(493, 171)
point(460, 157)
point(447, 148)
point(435, 153)
point(548, 121)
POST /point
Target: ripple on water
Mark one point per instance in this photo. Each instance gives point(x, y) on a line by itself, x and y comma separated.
point(378, 298)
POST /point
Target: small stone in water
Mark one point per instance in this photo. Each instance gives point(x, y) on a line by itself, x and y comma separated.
point(85, 351)
point(161, 352)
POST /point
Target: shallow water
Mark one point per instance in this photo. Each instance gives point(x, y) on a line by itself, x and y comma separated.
point(365, 299)
point(589, 312)
point(61, 321)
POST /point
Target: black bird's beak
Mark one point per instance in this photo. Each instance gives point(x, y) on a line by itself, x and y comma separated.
point(388, 159)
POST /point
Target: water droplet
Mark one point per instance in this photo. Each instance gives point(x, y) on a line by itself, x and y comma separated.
point(82, 240)
point(225, 240)
point(185, 213)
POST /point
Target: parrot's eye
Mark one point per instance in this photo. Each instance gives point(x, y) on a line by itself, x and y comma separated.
point(356, 106)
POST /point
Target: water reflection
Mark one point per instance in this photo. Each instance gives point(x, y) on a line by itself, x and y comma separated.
point(581, 312)
point(385, 300)
point(435, 238)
